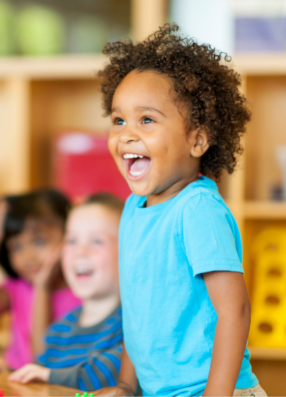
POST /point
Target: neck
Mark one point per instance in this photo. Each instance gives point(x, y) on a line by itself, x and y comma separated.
point(95, 310)
point(171, 191)
point(58, 280)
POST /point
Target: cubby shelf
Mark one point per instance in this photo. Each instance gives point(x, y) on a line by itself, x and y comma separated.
point(84, 66)
point(267, 353)
point(263, 64)
point(57, 67)
point(265, 210)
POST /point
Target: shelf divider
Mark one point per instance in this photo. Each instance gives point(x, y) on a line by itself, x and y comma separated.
point(15, 136)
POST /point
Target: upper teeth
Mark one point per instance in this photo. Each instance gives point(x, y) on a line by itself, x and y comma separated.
point(83, 270)
point(132, 156)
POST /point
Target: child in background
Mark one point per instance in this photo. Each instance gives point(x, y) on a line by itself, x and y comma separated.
point(35, 291)
point(177, 113)
point(83, 350)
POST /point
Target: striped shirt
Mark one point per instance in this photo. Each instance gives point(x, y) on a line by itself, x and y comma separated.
point(87, 358)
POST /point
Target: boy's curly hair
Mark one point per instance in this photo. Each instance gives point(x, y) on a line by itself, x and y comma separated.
point(208, 88)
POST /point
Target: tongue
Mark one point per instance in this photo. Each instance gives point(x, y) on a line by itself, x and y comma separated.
point(140, 164)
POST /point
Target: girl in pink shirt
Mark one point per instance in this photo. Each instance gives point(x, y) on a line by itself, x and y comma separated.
point(31, 231)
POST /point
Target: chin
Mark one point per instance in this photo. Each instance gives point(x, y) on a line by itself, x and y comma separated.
point(139, 191)
point(83, 295)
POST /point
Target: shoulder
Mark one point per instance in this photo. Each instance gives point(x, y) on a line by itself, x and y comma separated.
point(204, 200)
point(203, 207)
point(201, 195)
point(17, 286)
point(66, 323)
point(115, 317)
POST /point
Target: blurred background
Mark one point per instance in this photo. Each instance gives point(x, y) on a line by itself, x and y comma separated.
point(53, 133)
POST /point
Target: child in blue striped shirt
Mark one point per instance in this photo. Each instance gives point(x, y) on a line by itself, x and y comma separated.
point(83, 350)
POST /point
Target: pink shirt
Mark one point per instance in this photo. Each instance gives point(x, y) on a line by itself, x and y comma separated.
point(21, 298)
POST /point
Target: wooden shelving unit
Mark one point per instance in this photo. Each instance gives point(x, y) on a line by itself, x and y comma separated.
point(264, 84)
point(42, 97)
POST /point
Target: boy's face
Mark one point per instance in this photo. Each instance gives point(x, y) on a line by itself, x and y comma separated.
point(146, 122)
point(90, 253)
point(29, 250)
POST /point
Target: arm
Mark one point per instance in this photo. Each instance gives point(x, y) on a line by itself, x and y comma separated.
point(42, 312)
point(228, 293)
point(127, 374)
point(4, 300)
point(88, 372)
point(127, 383)
point(97, 371)
point(41, 318)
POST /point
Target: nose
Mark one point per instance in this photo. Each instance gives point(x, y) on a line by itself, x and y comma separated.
point(129, 135)
point(30, 257)
point(82, 250)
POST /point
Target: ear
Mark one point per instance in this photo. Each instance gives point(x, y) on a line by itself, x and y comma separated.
point(199, 141)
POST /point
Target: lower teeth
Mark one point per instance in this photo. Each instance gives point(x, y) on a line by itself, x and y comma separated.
point(134, 173)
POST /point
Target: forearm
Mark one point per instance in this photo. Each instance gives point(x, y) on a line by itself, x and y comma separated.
point(127, 374)
point(90, 373)
point(67, 377)
point(41, 318)
point(228, 350)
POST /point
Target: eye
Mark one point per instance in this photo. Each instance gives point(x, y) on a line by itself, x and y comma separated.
point(70, 241)
point(15, 247)
point(119, 121)
point(147, 120)
point(40, 242)
point(97, 241)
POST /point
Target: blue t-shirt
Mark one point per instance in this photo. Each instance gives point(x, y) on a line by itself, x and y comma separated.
point(168, 319)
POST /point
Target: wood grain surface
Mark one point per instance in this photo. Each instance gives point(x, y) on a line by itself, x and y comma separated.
point(32, 389)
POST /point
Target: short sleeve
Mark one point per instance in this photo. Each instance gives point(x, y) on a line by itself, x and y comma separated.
point(8, 285)
point(211, 236)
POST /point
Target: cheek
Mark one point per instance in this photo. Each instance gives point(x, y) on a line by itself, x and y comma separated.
point(67, 261)
point(173, 149)
point(158, 142)
point(107, 261)
point(46, 255)
point(17, 261)
point(112, 144)
point(41, 252)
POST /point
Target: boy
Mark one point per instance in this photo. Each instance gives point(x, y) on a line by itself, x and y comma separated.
point(177, 113)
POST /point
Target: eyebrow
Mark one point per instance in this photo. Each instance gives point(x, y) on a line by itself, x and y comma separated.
point(140, 108)
point(150, 108)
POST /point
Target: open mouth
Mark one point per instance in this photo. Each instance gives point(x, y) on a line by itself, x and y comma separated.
point(136, 165)
point(83, 273)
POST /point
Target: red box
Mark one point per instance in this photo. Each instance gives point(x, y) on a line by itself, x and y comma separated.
point(83, 166)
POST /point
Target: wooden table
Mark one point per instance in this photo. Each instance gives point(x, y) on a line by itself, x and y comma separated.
point(33, 389)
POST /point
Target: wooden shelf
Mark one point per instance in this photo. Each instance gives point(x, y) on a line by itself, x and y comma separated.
point(85, 66)
point(265, 210)
point(251, 64)
point(267, 353)
point(64, 67)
